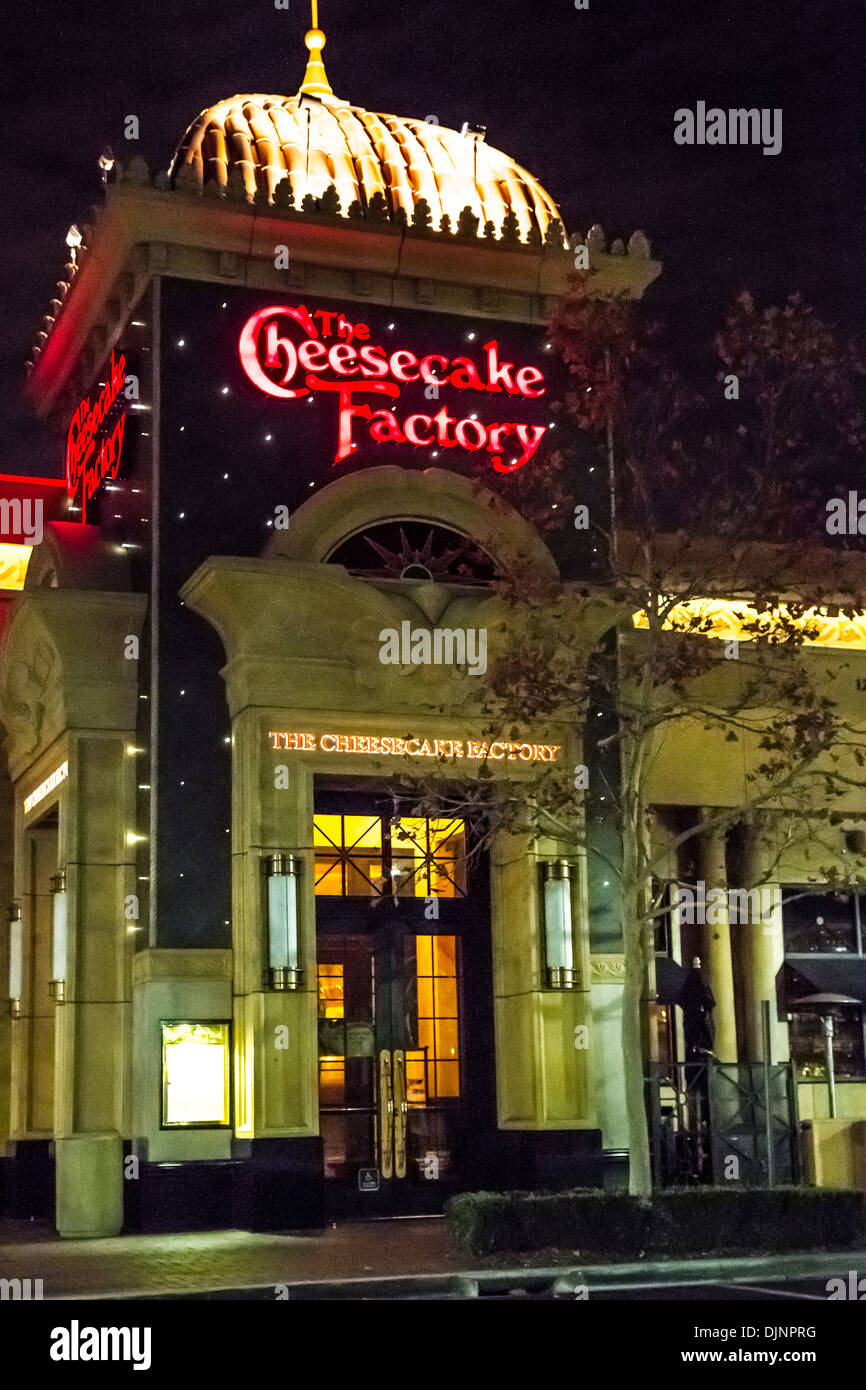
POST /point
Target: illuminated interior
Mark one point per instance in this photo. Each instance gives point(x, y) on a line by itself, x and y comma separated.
point(438, 1030)
point(195, 1074)
point(737, 620)
point(355, 856)
point(348, 856)
point(332, 1067)
point(428, 857)
point(14, 560)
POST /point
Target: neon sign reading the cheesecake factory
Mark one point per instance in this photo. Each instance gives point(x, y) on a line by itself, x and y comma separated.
point(290, 352)
point(393, 747)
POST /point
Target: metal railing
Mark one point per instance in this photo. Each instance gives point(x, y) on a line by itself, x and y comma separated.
point(726, 1124)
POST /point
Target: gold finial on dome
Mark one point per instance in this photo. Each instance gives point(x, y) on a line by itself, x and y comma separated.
point(315, 78)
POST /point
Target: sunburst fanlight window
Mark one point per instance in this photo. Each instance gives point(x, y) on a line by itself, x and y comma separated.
point(415, 550)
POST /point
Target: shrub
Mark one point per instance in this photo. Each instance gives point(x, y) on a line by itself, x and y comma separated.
point(678, 1221)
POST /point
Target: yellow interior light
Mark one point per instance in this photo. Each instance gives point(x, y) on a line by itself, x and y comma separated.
point(14, 560)
point(728, 619)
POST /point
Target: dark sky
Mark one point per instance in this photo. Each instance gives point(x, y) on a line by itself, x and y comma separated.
point(583, 98)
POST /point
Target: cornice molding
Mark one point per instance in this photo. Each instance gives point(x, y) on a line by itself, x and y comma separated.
point(607, 969)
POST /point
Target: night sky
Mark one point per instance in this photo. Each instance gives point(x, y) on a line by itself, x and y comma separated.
point(583, 98)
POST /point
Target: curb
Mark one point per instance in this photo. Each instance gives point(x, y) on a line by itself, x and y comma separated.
point(558, 1281)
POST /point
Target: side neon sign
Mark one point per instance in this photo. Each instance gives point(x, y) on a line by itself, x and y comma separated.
point(59, 775)
point(289, 353)
point(95, 437)
point(392, 747)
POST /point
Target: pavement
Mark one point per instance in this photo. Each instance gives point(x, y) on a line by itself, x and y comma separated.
point(408, 1258)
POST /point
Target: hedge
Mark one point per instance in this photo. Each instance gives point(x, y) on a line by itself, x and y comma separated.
point(677, 1221)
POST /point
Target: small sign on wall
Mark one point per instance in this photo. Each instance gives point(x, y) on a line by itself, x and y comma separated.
point(368, 1179)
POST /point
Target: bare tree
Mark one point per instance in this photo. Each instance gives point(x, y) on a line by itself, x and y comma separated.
point(715, 530)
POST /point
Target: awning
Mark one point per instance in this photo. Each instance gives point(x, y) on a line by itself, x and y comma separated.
point(797, 979)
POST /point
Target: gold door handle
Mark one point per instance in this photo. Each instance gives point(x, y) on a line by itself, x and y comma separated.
point(401, 1114)
point(386, 1115)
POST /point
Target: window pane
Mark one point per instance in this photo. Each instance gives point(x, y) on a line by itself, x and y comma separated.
point(425, 998)
point(446, 1039)
point(818, 921)
point(446, 998)
point(332, 1081)
point(328, 878)
point(349, 857)
point(327, 831)
point(362, 832)
point(445, 955)
point(363, 876)
point(431, 855)
point(447, 1079)
point(416, 1081)
point(331, 994)
point(424, 955)
point(808, 1044)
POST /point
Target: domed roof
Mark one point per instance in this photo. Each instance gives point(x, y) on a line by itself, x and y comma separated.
point(314, 139)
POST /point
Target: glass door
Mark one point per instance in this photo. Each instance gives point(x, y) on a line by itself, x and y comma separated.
point(394, 924)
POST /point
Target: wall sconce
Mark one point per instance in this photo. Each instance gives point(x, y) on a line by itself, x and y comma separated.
point(16, 959)
point(283, 963)
point(59, 937)
point(558, 929)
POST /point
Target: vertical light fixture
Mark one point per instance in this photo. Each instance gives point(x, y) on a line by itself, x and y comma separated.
point(284, 970)
point(59, 936)
point(558, 926)
point(16, 959)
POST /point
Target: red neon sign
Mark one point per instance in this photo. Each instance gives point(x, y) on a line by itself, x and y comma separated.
point(96, 423)
point(287, 369)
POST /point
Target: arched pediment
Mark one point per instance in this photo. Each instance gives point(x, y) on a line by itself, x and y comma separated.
point(360, 500)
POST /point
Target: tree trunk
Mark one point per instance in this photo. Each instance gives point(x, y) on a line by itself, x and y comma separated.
point(639, 948)
point(640, 1166)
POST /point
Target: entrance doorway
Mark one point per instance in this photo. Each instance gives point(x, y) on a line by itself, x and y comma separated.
point(405, 1029)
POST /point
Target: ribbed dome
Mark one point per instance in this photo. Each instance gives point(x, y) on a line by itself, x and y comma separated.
point(315, 140)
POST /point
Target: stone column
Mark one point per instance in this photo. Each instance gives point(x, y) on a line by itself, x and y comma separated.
point(92, 1075)
point(762, 944)
point(69, 695)
point(715, 941)
point(542, 1061)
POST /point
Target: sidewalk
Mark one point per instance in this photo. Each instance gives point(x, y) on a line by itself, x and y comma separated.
point(369, 1259)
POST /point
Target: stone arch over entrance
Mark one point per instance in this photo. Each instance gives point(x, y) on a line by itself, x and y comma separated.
point(359, 500)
